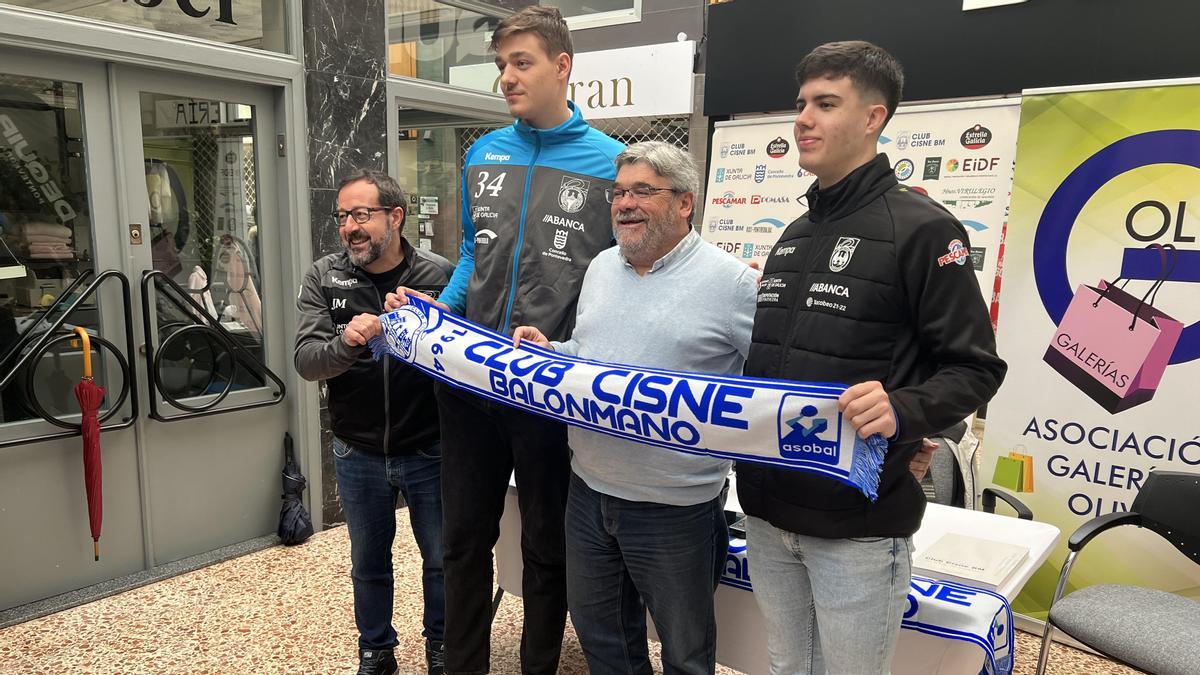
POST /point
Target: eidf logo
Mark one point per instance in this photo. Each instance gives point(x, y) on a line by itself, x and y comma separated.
point(800, 433)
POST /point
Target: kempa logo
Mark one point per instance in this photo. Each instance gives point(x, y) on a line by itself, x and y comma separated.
point(777, 148)
point(800, 432)
point(344, 283)
point(484, 236)
point(976, 137)
point(842, 253)
point(495, 157)
point(572, 194)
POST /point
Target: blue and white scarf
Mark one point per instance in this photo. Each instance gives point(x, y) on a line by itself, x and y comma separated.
point(792, 425)
point(941, 608)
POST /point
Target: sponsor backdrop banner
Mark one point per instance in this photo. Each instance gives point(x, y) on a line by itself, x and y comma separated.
point(1101, 375)
point(960, 154)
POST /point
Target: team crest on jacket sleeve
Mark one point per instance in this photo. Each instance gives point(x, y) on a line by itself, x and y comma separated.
point(842, 253)
point(572, 194)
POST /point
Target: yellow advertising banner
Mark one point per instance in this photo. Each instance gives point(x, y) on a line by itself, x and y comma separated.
point(1099, 321)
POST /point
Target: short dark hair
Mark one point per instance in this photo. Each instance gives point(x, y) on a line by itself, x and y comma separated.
point(546, 23)
point(390, 192)
point(870, 67)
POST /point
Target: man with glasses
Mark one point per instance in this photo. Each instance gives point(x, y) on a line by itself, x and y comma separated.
point(646, 526)
point(383, 414)
point(534, 216)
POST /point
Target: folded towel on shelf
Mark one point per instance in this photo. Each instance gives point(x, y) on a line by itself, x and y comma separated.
point(46, 229)
point(50, 248)
point(53, 255)
point(46, 239)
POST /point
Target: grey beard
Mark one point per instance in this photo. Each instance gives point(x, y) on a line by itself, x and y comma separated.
point(373, 251)
point(652, 239)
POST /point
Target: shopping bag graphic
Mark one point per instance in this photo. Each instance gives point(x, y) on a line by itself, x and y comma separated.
point(1009, 474)
point(1113, 346)
point(1027, 470)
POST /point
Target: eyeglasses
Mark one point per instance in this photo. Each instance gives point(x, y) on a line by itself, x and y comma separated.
point(360, 214)
point(640, 193)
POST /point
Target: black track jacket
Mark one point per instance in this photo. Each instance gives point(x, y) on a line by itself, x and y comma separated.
point(875, 282)
point(382, 407)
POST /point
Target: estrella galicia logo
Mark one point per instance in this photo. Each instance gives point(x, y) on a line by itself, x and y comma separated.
point(976, 137)
point(760, 173)
point(800, 431)
point(572, 194)
point(777, 148)
point(721, 174)
point(903, 169)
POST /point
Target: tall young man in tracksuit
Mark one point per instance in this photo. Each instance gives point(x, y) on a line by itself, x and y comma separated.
point(535, 213)
point(871, 288)
point(383, 414)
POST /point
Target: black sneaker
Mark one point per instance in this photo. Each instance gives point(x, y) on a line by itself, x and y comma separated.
point(377, 662)
point(435, 657)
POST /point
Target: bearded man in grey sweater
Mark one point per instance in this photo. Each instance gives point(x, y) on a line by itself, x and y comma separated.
point(645, 525)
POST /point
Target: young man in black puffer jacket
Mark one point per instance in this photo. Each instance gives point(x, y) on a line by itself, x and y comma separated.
point(871, 288)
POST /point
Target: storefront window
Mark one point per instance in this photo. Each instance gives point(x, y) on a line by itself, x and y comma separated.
point(260, 24)
point(429, 169)
point(428, 39)
point(45, 232)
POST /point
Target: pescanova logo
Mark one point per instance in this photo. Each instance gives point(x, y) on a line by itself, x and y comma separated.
point(800, 431)
point(1143, 226)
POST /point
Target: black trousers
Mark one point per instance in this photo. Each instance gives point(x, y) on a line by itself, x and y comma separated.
point(482, 444)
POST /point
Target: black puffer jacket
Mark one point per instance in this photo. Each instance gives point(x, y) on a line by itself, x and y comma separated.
point(874, 283)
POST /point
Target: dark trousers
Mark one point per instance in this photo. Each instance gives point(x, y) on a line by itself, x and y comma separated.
point(368, 485)
point(625, 557)
point(482, 444)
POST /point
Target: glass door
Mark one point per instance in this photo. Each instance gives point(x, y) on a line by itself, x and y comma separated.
point(139, 207)
point(199, 162)
point(61, 269)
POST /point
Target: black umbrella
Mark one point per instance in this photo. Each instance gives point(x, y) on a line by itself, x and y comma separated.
point(295, 525)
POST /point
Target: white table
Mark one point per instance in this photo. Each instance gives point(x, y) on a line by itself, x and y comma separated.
point(741, 631)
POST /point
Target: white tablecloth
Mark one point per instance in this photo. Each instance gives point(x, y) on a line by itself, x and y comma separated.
point(741, 634)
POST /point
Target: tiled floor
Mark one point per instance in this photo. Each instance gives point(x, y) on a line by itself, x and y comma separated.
point(288, 610)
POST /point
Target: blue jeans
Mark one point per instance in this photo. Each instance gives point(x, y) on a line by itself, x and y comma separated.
point(624, 557)
point(368, 485)
point(832, 605)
